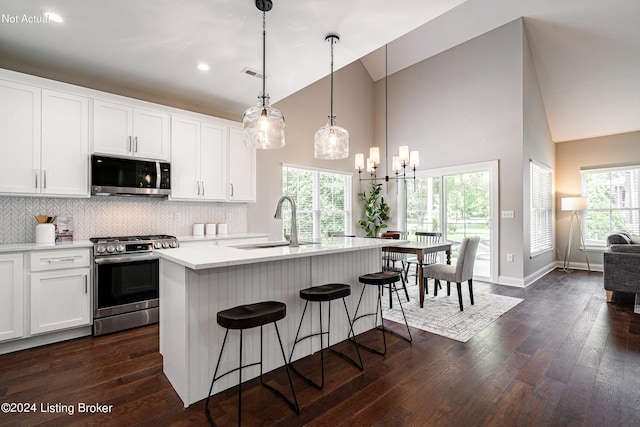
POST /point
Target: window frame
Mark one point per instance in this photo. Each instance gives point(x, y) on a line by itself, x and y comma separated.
point(584, 172)
point(317, 211)
point(541, 212)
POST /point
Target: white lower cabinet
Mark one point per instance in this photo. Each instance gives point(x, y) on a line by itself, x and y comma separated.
point(60, 290)
point(11, 297)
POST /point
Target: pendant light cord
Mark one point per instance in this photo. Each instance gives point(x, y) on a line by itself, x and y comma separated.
point(386, 110)
point(264, 55)
point(332, 117)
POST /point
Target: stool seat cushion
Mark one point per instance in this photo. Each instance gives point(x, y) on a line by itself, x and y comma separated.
point(380, 278)
point(252, 315)
point(326, 292)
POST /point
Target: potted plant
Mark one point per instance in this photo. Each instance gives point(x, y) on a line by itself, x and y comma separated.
point(375, 211)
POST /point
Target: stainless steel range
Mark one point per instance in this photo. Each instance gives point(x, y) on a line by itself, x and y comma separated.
point(126, 281)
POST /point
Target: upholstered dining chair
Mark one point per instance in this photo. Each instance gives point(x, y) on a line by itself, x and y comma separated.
point(431, 238)
point(462, 271)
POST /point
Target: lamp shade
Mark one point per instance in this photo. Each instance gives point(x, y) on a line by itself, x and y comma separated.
point(414, 159)
point(263, 126)
point(374, 155)
point(359, 161)
point(574, 203)
point(331, 142)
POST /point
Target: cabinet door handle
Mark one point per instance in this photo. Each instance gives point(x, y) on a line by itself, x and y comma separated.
point(203, 188)
point(44, 178)
point(135, 145)
point(86, 288)
point(35, 171)
point(130, 144)
point(231, 189)
point(198, 187)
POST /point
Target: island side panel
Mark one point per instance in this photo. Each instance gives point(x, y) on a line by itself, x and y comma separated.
point(173, 326)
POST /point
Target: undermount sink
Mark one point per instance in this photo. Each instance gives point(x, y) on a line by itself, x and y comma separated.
point(264, 245)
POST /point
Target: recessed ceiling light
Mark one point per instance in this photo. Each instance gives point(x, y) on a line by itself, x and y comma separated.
point(203, 67)
point(54, 17)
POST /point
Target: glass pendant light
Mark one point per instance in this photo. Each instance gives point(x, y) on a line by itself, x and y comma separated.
point(331, 141)
point(263, 125)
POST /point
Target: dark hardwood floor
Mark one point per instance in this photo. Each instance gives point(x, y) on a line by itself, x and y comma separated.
point(561, 357)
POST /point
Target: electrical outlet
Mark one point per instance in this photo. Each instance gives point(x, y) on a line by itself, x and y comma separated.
point(509, 257)
point(177, 217)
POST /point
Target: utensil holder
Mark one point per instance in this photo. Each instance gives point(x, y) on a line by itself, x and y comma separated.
point(45, 233)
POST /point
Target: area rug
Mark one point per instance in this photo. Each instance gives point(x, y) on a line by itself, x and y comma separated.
point(441, 315)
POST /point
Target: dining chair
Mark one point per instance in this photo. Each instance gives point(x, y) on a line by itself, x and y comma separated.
point(428, 237)
point(458, 273)
point(389, 259)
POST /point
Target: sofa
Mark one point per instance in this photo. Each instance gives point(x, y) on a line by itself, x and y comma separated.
point(622, 264)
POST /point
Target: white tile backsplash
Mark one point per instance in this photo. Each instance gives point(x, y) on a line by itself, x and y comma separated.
point(115, 216)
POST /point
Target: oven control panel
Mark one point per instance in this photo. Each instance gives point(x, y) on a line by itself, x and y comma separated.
point(128, 245)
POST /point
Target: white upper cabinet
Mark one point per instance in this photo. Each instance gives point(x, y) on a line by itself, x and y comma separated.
point(123, 130)
point(213, 160)
point(65, 144)
point(45, 140)
point(242, 168)
point(198, 160)
point(19, 138)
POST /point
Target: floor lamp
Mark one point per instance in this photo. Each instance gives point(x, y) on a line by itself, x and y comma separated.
point(574, 204)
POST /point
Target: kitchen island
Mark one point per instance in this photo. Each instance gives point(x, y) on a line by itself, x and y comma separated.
point(197, 282)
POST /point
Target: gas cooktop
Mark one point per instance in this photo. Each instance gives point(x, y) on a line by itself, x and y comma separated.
point(121, 245)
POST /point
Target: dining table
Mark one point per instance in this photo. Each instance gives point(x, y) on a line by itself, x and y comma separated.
point(420, 249)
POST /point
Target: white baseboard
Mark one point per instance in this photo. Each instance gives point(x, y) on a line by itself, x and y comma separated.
point(581, 266)
point(38, 340)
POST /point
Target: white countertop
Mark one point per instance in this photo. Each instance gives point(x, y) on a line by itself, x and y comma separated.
point(203, 257)
point(24, 247)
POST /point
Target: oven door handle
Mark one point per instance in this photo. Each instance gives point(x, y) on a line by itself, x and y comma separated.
point(121, 259)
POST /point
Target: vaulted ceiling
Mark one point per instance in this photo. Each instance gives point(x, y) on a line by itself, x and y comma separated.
point(586, 52)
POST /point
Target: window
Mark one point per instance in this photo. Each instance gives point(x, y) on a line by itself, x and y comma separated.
point(541, 215)
point(323, 201)
point(613, 202)
point(423, 205)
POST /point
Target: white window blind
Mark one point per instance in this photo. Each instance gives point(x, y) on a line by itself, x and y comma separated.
point(323, 201)
point(613, 202)
point(541, 214)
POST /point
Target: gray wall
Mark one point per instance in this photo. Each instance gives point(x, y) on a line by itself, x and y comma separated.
point(537, 146)
point(464, 106)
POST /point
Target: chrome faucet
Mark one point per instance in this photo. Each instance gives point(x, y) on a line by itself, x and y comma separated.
point(293, 242)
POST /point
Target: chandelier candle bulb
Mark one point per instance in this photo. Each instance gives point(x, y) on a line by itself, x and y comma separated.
point(359, 161)
point(414, 159)
point(374, 155)
point(370, 166)
point(396, 164)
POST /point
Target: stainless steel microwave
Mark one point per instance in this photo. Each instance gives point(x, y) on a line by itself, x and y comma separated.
point(116, 176)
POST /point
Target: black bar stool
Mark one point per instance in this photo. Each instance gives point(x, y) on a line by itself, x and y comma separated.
point(381, 279)
point(325, 293)
point(246, 317)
